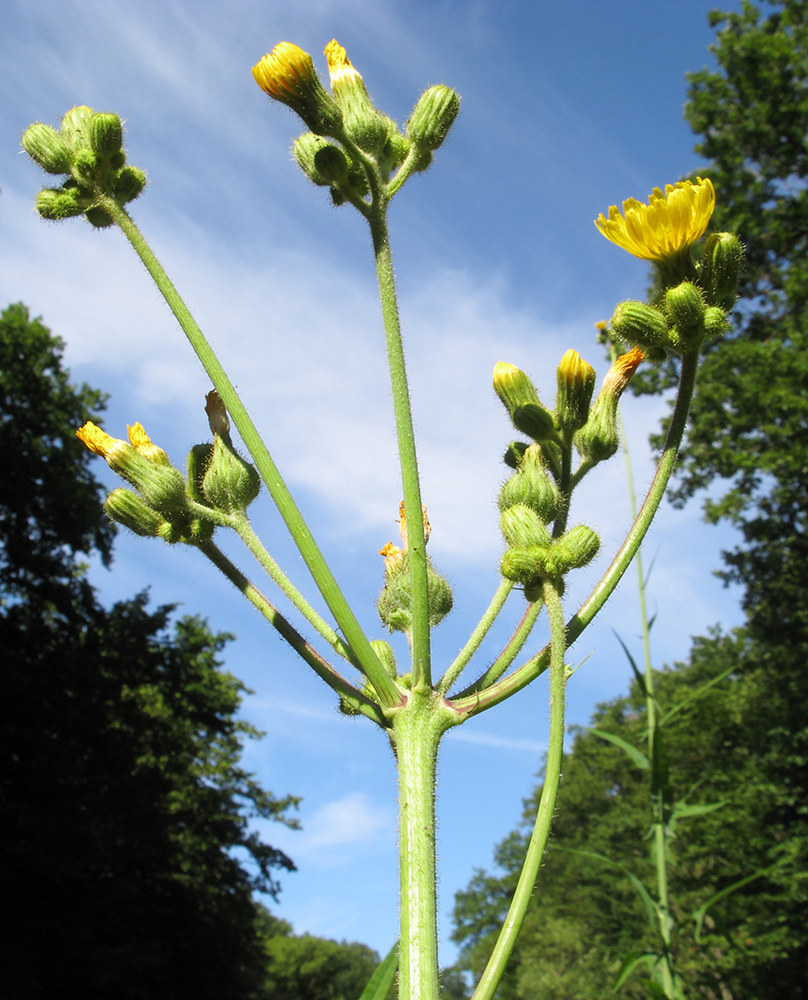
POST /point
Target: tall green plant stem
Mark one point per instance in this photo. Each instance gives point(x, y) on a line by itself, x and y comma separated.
point(416, 542)
point(541, 831)
point(658, 804)
point(298, 529)
point(417, 729)
point(481, 701)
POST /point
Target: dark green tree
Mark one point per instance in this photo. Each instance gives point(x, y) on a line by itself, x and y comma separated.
point(123, 805)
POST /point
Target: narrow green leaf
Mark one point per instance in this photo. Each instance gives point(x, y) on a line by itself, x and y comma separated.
point(652, 908)
point(630, 963)
point(638, 674)
point(681, 810)
point(699, 914)
point(698, 693)
point(636, 755)
point(382, 978)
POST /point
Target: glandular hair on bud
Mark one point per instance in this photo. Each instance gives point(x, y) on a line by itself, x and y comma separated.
point(331, 163)
point(576, 548)
point(684, 305)
point(132, 511)
point(523, 528)
point(513, 387)
point(433, 117)
point(534, 421)
point(229, 483)
point(47, 148)
point(576, 382)
point(106, 133)
point(720, 268)
point(532, 485)
point(641, 325)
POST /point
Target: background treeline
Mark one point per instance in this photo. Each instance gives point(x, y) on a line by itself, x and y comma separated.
point(746, 741)
point(127, 868)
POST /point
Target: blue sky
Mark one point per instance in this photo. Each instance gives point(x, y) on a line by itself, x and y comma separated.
point(566, 109)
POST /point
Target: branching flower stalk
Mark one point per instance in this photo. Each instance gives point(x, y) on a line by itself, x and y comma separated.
point(362, 157)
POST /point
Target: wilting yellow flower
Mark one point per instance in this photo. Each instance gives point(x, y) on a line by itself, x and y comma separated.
point(100, 443)
point(341, 70)
point(669, 223)
point(141, 442)
point(619, 375)
point(393, 559)
point(287, 74)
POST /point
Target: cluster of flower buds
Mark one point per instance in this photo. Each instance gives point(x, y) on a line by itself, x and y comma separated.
point(395, 601)
point(88, 148)
point(694, 298)
point(166, 504)
point(348, 136)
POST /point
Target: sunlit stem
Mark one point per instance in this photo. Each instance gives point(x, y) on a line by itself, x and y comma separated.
point(303, 648)
point(417, 729)
point(477, 636)
point(298, 529)
point(416, 544)
point(510, 652)
point(544, 817)
point(657, 799)
point(524, 675)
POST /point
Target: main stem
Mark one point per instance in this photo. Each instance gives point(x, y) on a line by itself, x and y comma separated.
point(416, 542)
point(416, 733)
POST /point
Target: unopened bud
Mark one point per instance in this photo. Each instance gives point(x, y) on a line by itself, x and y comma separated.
point(535, 421)
point(433, 117)
point(386, 656)
point(76, 127)
point(55, 204)
point(641, 325)
point(47, 148)
point(523, 528)
point(305, 150)
point(287, 74)
point(576, 382)
point(598, 439)
point(106, 134)
point(331, 163)
point(576, 548)
point(685, 307)
point(720, 268)
point(532, 486)
point(513, 387)
point(366, 126)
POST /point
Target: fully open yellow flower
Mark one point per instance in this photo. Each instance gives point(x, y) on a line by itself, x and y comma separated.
point(667, 225)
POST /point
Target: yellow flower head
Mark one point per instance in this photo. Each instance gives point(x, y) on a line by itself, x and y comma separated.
point(341, 70)
point(667, 225)
point(287, 74)
point(141, 442)
point(100, 443)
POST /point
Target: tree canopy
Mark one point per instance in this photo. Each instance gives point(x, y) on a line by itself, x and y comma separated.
point(128, 863)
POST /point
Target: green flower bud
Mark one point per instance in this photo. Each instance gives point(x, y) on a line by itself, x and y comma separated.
point(133, 512)
point(368, 128)
point(433, 117)
point(576, 548)
point(535, 421)
point(331, 163)
point(598, 438)
point(305, 150)
point(532, 486)
point(76, 128)
point(85, 165)
point(642, 326)
point(514, 454)
point(387, 657)
point(513, 387)
point(197, 465)
point(229, 483)
point(395, 601)
point(47, 148)
point(106, 134)
point(527, 566)
point(99, 218)
point(523, 528)
point(128, 184)
point(716, 322)
point(576, 382)
point(54, 204)
point(720, 267)
point(685, 307)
